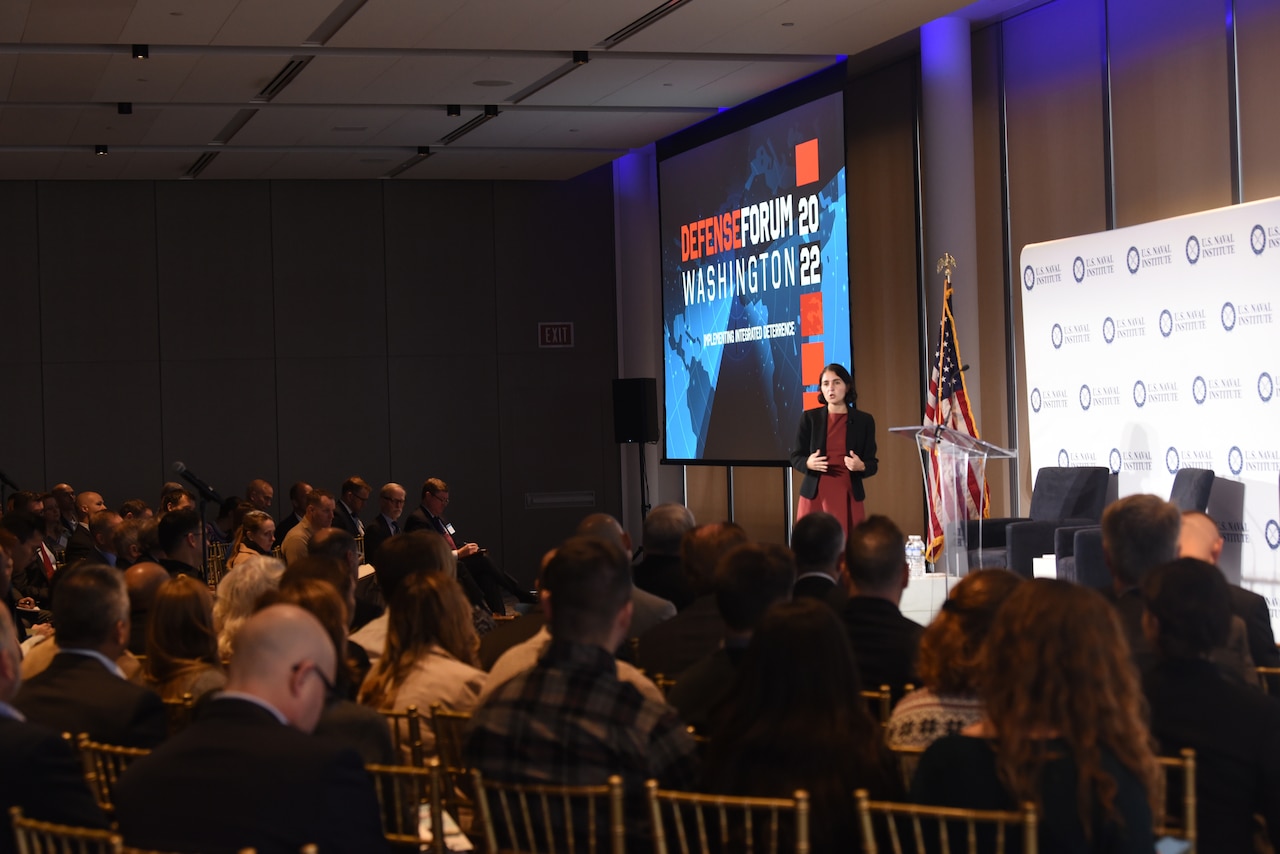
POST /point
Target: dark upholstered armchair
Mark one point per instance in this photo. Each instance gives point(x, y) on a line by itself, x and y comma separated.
point(1061, 497)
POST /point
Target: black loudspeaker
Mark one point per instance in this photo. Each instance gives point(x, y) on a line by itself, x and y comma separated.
point(635, 410)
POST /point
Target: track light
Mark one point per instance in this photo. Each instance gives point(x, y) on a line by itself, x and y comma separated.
point(99, 150)
point(491, 111)
point(453, 110)
point(141, 51)
point(124, 108)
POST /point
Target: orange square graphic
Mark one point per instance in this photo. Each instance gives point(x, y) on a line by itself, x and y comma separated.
point(812, 361)
point(806, 162)
point(811, 314)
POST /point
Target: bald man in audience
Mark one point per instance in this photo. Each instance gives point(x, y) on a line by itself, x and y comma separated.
point(83, 689)
point(1200, 539)
point(37, 770)
point(277, 787)
point(261, 494)
point(80, 546)
point(648, 609)
point(142, 581)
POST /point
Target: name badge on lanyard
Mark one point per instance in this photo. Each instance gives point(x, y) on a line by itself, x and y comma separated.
point(448, 526)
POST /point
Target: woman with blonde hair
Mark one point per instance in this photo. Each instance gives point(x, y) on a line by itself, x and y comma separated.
point(238, 592)
point(254, 536)
point(182, 647)
point(1064, 726)
point(949, 661)
point(431, 654)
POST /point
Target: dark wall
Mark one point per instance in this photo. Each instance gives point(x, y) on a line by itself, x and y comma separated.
point(315, 330)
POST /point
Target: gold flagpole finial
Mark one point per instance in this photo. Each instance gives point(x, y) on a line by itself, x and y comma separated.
point(946, 264)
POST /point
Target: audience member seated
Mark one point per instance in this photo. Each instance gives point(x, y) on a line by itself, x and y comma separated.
point(950, 661)
point(8, 545)
point(749, 580)
point(569, 720)
point(37, 770)
point(319, 514)
point(677, 644)
point(660, 571)
point(387, 523)
point(83, 689)
point(179, 535)
point(430, 656)
point(175, 496)
point(885, 643)
point(33, 568)
point(245, 774)
point(62, 518)
point(353, 664)
point(238, 593)
point(261, 494)
point(341, 546)
point(522, 656)
point(343, 721)
point(142, 581)
point(221, 529)
point(182, 648)
point(298, 498)
point(1064, 728)
point(400, 557)
point(352, 496)
point(254, 536)
point(80, 545)
point(795, 719)
point(135, 508)
point(1139, 533)
point(1234, 730)
point(818, 542)
point(647, 609)
point(1199, 538)
point(128, 542)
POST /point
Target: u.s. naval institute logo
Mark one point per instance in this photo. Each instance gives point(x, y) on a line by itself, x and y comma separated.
point(1228, 316)
point(1029, 277)
point(1235, 459)
point(1266, 387)
point(1115, 460)
point(1086, 398)
point(1055, 335)
point(1140, 393)
point(1132, 259)
point(1193, 249)
point(1273, 534)
point(1199, 390)
point(1035, 400)
point(1064, 459)
point(1077, 269)
point(1258, 239)
point(1171, 461)
point(1166, 323)
point(1108, 330)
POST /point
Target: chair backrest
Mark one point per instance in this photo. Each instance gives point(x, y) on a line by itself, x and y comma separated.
point(406, 734)
point(103, 765)
point(1191, 488)
point(906, 759)
point(1269, 677)
point(450, 728)
point(43, 837)
point(179, 712)
point(702, 823)
point(542, 817)
point(1091, 561)
point(1183, 792)
point(1070, 492)
point(664, 683)
point(215, 565)
point(402, 794)
point(955, 830)
point(881, 703)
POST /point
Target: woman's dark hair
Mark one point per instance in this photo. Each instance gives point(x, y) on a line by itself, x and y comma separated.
point(180, 633)
point(1191, 604)
point(795, 718)
point(850, 396)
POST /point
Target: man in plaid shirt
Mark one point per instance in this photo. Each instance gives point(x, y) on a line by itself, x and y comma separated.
point(569, 720)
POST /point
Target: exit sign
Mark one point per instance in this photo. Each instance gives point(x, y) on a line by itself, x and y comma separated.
point(555, 334)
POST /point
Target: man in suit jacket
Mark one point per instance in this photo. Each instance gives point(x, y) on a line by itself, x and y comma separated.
point(37, 770)
point(351, 499)
point(279, 787)
point(81, 546)
point(83, 689)
point(885, 643)
point(818, 543)
point(660, 570)
point(387, 523)
point(298, 497)
point(648, 609)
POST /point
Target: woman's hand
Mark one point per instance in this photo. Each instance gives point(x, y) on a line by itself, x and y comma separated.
point(853, 462)
point(817, 461)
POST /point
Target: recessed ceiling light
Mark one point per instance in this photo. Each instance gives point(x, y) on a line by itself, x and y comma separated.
point(350, 128)
point(141, 79)
point(492, 83)
point(177, 14)
point(573, 130)
point(788, 23)
point(668, 84)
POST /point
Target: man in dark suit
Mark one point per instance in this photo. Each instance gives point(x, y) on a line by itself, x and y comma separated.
point(351, 499)
point(179, 533)
point(430, 516)
point(387, 523)
point(80, 545)
point(279, 787)
point(298, 497)
point(818, 544)
point(660, 571)
point(83, 690)
point(37, 770)
point(885, 643)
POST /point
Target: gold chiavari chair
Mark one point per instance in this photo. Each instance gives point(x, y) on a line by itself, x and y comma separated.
point(178, 712)
point(360, 549)
point(956, 830)
point(539, 817)
point(881, 703)
point(402, 793)
point(1269, 677)
point(43, 837)
point(665, 683)
point(215, 565)
point(906, 759)
point(702, 823)
point(450, 728)
point(1182, 826)
point(406, 734)
point(103, 765)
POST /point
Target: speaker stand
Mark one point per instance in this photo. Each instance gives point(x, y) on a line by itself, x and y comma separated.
point(644, 483)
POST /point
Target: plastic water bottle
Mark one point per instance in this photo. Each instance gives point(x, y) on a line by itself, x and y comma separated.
point(915, 555)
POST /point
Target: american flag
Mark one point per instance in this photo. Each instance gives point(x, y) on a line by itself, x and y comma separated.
point(948, 406)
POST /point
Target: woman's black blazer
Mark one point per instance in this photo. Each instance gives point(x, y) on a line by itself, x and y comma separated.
point(812, 436)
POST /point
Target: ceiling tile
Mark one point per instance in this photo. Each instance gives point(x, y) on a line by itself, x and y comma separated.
point(103, 126)
point(500, 165)
point(76, 21)
point(187, 125)
point(228, 78)
point(156, 79)
point(176, 21)
point(273, 22)
point(57, 77)
point(21, 125)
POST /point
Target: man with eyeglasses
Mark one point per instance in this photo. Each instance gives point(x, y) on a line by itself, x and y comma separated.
point(493, 581)
point(387, 523)
point(278, 788)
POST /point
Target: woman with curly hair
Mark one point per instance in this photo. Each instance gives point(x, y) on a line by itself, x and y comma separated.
point(950, 654)
point(182, 647)
point(431, 654)
point(1064, 726)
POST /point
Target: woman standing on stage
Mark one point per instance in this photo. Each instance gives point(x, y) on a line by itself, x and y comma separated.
point(835, 450)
